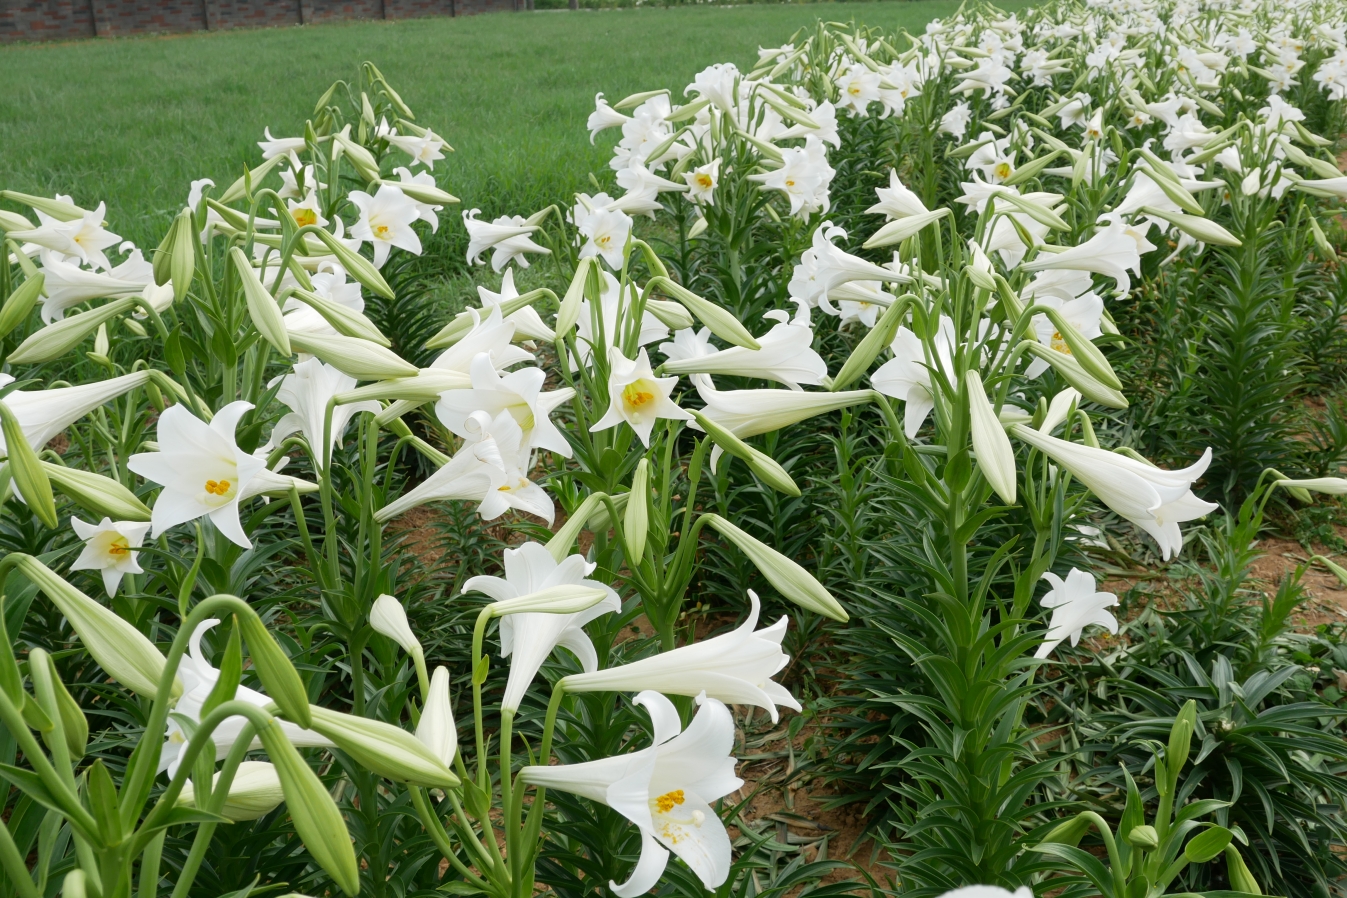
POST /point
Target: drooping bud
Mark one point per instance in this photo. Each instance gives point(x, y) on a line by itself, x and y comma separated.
point(789, 578)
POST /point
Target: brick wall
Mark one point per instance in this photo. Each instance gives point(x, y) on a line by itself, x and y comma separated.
point(39, 20)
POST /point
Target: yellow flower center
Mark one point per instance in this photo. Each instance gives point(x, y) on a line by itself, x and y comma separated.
point(603, 240)
point(217, 487)
point(119, 546)
point(790, 182)
point(704, 181)
point(1059, 343)
point(637, 395)
point(382, 231)
point(304, 217)
point(669, 800)
point(854, 90)
point(1002, 170)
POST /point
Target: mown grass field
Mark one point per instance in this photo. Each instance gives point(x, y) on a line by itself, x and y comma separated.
point(133, 121)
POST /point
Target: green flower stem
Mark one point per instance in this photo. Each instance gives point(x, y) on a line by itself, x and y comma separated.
point(201, 842)
point(440, 836)
point(14, 866)
point(80, 819)
point(149, 864)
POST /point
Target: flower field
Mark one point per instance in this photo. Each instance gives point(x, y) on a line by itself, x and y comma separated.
point(900, 422)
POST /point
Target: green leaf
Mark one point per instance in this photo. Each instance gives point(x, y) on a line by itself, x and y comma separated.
point(1208, 844)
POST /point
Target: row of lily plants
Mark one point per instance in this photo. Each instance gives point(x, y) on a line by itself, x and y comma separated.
point(223, 668)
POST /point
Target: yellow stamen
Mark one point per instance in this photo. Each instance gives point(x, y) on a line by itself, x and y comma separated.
point(636, 395)
point(669, 800)
point(217, 487)
point(304, 217)
point(119, 546)
point(1059, 343)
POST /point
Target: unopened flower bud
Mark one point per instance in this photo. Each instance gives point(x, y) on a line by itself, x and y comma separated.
point(255, 792)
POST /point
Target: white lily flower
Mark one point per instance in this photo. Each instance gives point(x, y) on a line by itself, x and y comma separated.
point(84, 238)
point(493, 335)
point(490, 468)
point(279, 146)
point(306, 391)
point(69, 285)
point(425, 149)
point(748, 413)
point(519, 393)
point(308, 212)
point(201, 469)
point(955, 121)
point(1153, 499)
point(528, 324)
point(603, 117)
point(637, 397)
point(296, 181)
point(786, 356)
point(606, 231)
point(437, 730)
point(897, 201)
point(666, 790)
point(109, 547)
point(386, 221)
point(425, 211)
point(43, 414)
point(198, 679)
point(1075, 604)
point(702, 182)
point(907, 377)
point(1085, 313)
point(989, 892)
point(1113, 251)
point(528, 639)
point(735, 668)
point(857, 88)
point(509, 237)
point(804, 177)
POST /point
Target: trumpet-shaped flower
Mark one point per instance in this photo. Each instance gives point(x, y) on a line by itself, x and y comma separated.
point(279, 146)
point(491, 334)
point(529, 638)
point(389, 618)
point(202, 470)
point(605, 230)
point(736, 668)
point(1153, 499)
point(490, 468)
point(786, 356)
point(425, 211)
point(603, 117)
point(43, 414)
point(1075, 604)
point(666, 790)
point(306, 391)
point(509, 237)
point(613, 303)
point(1113, 251)
point(907, 376)
point(528, 324)
point(425, 149)
point(702, 182)
point(198, 679)
point(386, 221)
point(436, 730)
point(637, 396)
point(804, 177)
point(68, 285)
point(330, 285)
point(897, 201)
point(519, 393)
point(83, 238)
point(110, 548)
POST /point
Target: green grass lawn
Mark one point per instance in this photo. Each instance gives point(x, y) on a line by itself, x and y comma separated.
point(133, 121)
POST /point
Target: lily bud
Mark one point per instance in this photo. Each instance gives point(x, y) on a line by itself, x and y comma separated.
point(344, 320)
point(74, 885)
point(1084, 351)
point(1332, 486)
point(255, 792)
point(1068, 832)
point(564, 599)
point(262, 307)
point(249, 181)
point(1326, 250)
point(423, 193)
point(1196, 226)
point(763, 466)
point(1240, 876)
point(315, 815)
point(389, 751)
point(1075, 375)
point(20, 303)
point(388, 617)
point(57, 209)
point(13, 221)
point(903, 228)
point(719, 320)
point(995, 455)
point(636, 522)
point(1180, 739)
point(55, 340)
point(670, 314)
point(119, 648)
point(273, 666)
point(175, 259)
point(97, 494)
point(361, 158)
point(359, 358)
point(358, 266)
point(569, 312)
point(635, 100)
point(871, 345)
point(559, 546)
point(437, 730)
point(1144, 837)
point(73, 722)
point(789, 578)
point(28, 473)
